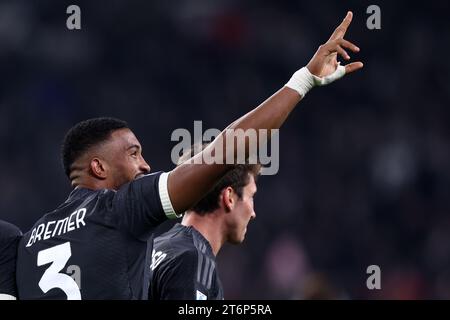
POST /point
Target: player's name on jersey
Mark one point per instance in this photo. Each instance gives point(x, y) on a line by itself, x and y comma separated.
point(50, 229)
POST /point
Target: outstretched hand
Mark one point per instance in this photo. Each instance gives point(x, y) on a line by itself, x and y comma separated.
point(324, 62)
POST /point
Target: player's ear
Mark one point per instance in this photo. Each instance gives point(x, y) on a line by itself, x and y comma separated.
point(228, 200)
point(98, 168)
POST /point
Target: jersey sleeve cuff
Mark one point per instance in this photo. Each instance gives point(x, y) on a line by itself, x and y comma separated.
point(165, 199)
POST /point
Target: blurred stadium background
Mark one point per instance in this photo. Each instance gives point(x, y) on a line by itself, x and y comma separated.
point(364, 164)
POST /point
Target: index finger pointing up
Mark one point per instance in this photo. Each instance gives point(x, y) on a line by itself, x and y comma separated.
point(342, 28)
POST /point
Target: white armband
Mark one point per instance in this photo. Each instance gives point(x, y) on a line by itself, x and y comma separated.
point(303, 80)
point(165, 198)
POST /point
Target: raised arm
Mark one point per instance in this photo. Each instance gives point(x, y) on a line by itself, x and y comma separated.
point(189, 182)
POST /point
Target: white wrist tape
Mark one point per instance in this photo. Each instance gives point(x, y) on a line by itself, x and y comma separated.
point(302, 80)
point(337, 74)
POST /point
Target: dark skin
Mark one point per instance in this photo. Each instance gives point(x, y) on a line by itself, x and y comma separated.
point(119, 160)
point(111, 164)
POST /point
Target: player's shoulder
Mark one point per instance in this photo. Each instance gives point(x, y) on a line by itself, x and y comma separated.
point(81, 202)
point(146, 180)
point(187, 254)
point(176, 235)
point(179, 239)
point(172, 261)
point(131, 191)
point(176, 244)
point(8, 230)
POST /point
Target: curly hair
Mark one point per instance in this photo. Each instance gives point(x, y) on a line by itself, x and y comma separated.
point(84, 135)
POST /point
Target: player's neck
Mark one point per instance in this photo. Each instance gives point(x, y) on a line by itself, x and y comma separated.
point(88, 183)
point(81, 177)
point(210, 227)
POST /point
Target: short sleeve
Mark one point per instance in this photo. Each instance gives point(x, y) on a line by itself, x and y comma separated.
point(141, 205)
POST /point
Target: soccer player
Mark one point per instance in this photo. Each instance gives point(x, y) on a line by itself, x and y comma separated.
point(184, 264)
point(97, 243)
point(9, 240)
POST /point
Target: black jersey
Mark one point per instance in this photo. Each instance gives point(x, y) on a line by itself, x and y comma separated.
point(183, 267)
point(95, 245)
point(9, 240)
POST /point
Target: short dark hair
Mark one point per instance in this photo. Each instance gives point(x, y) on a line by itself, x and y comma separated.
point(237, 178)
point(86, 134)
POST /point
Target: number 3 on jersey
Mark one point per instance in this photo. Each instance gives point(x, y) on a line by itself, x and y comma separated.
point(52, 278)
